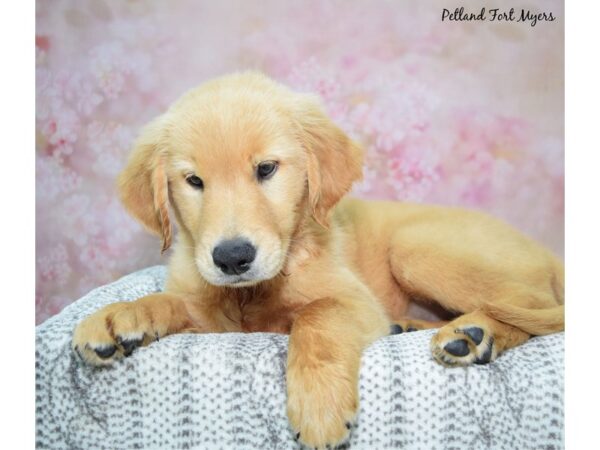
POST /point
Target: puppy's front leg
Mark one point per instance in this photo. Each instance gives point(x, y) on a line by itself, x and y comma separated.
point(326, 343)
point(117, 329)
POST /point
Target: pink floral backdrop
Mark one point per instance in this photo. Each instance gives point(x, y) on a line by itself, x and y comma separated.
point(455, 113)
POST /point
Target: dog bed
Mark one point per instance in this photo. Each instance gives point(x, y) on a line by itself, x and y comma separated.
point(227, 391)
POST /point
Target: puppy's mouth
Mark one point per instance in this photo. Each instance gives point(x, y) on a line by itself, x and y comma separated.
point(236, 270)
point(240, 281)
point(252, 277)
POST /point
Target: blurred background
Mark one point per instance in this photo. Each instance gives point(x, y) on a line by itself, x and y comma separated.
point(455, 113)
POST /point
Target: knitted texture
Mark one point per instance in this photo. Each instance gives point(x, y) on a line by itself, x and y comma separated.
point(227, 391)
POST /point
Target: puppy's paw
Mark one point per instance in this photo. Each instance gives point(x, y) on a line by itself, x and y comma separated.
point(113, 332)
point(321, 407)
point(463, 345)
point(405, 326)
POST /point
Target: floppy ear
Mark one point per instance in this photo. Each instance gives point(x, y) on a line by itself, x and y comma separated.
point(143, 184)
point(334, 160)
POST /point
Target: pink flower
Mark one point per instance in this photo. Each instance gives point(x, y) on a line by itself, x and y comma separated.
point(109, 64)
point(53, 265)
point(412, 179)
point(308, 76)
point(61, 131)
point(54, 180)
point(109, 142)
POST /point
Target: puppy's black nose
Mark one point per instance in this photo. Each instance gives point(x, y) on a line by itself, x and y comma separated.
point(234, 256)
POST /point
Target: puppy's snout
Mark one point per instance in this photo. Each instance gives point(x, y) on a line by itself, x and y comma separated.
point(234, 256)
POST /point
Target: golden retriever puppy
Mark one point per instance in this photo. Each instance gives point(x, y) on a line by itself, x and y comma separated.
point(254, 175)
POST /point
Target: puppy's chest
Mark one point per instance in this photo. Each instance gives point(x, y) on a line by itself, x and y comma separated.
point(269, 315)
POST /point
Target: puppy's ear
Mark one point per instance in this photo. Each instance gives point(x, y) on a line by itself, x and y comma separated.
point(334, 160)
point(143, 184)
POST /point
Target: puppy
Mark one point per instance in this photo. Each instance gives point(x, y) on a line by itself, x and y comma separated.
point(254, 175)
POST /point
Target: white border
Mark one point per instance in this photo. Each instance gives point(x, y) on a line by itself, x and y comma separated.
point(17, 225)
point(582, 226)
point(17, 168)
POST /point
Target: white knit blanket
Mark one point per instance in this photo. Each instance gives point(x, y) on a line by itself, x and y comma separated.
point(227, 391)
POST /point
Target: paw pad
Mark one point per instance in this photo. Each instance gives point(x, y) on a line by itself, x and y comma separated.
point(459, 347)
point(475, 333)
point(472, 345)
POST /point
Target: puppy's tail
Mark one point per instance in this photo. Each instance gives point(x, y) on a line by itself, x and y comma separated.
point(532, 321)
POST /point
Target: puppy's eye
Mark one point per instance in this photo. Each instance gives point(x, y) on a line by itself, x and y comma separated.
point(195, 181)
point(266, 170)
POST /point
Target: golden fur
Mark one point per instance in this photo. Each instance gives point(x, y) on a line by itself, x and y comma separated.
point(333, 273)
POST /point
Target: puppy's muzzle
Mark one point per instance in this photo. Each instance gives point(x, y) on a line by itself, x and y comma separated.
point(234, 256)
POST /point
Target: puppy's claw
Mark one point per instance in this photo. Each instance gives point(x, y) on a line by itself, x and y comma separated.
point(129, 345)
point(76, 349)
point(396, 329)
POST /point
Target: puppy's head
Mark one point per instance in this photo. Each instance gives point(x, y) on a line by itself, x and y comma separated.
point(241, 161)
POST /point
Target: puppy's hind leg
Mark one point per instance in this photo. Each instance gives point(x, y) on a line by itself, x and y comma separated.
point(502, 305)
